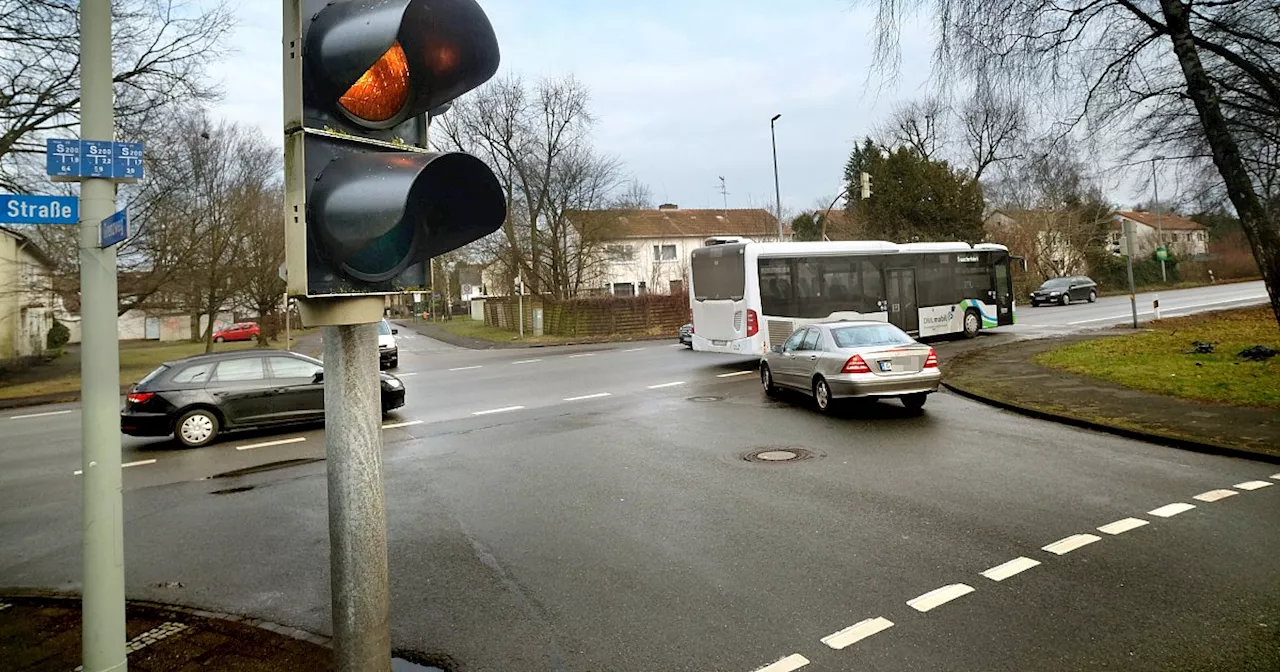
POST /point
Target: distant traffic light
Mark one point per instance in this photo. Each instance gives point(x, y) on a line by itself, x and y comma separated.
point(866, 186)
point(367, 203)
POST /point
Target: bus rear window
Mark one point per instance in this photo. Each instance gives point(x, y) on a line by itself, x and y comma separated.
point(719, 273)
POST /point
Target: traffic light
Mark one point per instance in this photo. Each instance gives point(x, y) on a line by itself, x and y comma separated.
point(366, 203)
point(866, 186)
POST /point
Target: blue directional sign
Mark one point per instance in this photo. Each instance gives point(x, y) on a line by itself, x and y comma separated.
point(68, 160)
point(114, 229)
point(96, 158)
point(127, 162)
point(62, 158)
point(16, 209)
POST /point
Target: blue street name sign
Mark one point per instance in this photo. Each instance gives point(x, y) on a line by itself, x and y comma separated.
point(114, 229)
point(69, 160)
point(15, 209)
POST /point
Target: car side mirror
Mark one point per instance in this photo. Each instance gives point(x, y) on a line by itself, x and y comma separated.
point(394, 332)
point(318, 378)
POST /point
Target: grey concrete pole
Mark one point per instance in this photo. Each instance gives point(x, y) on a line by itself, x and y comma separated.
point(103, 618)
point(357, 504)
point(1133, 291)
point(1155, 186)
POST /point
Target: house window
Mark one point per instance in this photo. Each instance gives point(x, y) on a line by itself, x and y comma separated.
point(619, 254)
point(1116, 238)
point(664, 253)
point(624, 289)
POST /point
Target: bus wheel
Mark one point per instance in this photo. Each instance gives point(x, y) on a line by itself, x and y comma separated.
point(766, 380)
point(822, 395)
point(972, 323)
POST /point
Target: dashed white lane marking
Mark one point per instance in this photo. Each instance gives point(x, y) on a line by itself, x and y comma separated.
point(269, 444)
point(1275, 477)
point(585, 354)
point(39, 415)
point(406, 375)
point(1071, 543)
point(1254, 485)
point(526, 361)
point(1123, 525)
point(856, 633)
point(736, 374)
point(1180, 309)
point(128, 465)
point(791, 663)
point(508, 409)
point(1215, 495)
point(1171, 510)
point(936, 598)
point(602, 395)
point(1013, 567)
point(635, 350)
point(398, 425)
point(665, 385)
point(467, 368)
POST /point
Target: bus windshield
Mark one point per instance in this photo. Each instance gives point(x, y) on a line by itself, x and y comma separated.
point(719, 273)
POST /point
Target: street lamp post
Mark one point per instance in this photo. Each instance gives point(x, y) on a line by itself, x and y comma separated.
point(777, 188)
point(1155, 186)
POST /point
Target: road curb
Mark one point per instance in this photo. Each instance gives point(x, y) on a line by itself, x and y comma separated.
point(46, 399)
point(1148, 437)
point(481, 344)
point(261, 624)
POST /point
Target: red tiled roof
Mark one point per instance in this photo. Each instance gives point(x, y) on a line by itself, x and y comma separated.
point(1167, 221)
point(611, 224)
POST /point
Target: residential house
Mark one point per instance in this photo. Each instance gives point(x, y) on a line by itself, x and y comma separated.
point(1054, 243)
point(648, 251)
point(27, 300)
point(1186, 239)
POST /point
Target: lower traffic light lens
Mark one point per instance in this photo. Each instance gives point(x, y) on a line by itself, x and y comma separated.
point(385, 257)
point(382, 91)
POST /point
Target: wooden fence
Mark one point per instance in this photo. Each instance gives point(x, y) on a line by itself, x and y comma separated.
point(651, 315)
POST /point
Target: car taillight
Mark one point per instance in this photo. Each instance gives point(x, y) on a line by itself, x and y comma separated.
point(856, 365)
point(140, 397)
point(931, 362)
point(693, 327)
point(753, 323)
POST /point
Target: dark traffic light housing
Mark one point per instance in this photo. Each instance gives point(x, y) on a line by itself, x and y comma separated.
point(366, 203)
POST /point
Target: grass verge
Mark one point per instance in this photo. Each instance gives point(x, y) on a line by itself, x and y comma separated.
point(1157, 361)
point(469, 328)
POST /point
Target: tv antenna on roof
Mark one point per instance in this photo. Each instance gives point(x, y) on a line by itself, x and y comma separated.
point(724, 192)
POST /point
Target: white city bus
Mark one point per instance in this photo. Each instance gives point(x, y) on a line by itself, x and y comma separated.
point(747, 296)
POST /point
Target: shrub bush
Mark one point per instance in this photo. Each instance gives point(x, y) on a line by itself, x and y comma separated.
point(59, 336)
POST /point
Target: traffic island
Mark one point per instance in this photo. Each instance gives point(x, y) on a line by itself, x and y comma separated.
point(1010, 377)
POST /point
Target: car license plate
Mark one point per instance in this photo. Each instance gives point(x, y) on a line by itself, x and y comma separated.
point(886, 366)
point(720, 344)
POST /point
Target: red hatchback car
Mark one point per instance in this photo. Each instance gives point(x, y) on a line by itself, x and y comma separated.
point(244, 331)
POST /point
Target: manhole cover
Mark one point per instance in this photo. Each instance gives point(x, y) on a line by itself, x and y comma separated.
point(780, 455)
point(706, 399)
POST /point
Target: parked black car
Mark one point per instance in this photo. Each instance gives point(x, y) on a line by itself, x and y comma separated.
point(197, 398)
point(1065, 290)
point(686, 335)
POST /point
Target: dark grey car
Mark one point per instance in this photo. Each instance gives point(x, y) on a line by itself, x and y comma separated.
point(844, 360)
point(1063, 291)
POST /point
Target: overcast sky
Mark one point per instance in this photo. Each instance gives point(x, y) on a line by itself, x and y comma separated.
point(683, 89)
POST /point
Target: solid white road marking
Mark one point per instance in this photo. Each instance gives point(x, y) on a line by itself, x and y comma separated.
point(1171, 510)
point(127, 465)
point(1215, 495)
point(508, 409)
point(1071, 543)
point(856, 633)
point(936, 598)
point(39, 415)
point(405, 375)
point(602, 395)
point(526, 361)
point(467, 368)
point(1254, 485)
point(585, 354)
point(791, 663)
point(1123, 525)
point(1172, 308)
point(398, 425)
point(736, 374)
point(1011, 568)
point(281, 442)
point(665, 385)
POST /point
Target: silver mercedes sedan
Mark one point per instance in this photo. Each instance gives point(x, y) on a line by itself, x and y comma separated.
point(846, 360)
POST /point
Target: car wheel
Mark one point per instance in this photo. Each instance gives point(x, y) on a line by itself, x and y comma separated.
point(1035, 304)
point(914, 402)
point(822, 395)
point(1065, 300)
point(1093, 296)
point(972, 323)
point(394, 363)
point(196, 428)
point(219, 340)
point(766, 381)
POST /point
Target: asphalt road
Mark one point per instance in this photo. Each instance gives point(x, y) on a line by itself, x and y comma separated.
point(537, 524)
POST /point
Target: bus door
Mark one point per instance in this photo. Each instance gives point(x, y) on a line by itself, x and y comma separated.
point(1003, 290)
point(900, 289)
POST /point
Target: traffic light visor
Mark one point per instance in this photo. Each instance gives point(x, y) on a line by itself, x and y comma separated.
point(382, 91)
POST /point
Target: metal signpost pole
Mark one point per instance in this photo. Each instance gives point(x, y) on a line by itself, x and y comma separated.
point(777, 186)
point(1133, 292)
point(1164, 277)
point(103, 643)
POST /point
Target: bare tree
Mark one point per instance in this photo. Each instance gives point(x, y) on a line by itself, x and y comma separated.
point(919, 124)
point(161, 49)
point(990, 127)
point(636, 195)
point(261, 252)
point(1207, 69)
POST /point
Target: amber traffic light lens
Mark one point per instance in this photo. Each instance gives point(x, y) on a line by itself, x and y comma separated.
point(382, 90)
